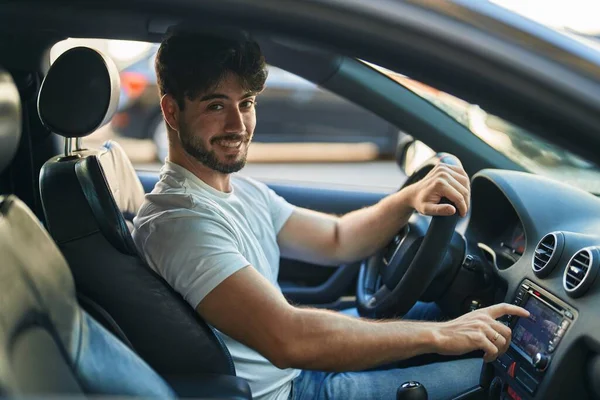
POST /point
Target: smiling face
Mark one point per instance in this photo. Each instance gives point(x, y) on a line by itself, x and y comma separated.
point(208, 85)
point(217, 127)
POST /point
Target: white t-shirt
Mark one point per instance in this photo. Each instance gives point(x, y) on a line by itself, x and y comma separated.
point(195, 237)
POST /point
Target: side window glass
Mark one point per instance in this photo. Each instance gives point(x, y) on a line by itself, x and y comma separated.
point(312, 135)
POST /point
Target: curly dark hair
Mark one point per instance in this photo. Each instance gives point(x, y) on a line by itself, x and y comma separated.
point(188, 64)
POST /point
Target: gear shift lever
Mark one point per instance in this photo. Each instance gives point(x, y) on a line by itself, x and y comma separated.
point(411, 391)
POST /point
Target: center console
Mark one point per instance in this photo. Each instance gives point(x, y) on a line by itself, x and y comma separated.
point(520, 370)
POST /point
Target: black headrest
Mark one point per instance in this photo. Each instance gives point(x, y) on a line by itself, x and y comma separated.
point(80, 93)
point(10, 119)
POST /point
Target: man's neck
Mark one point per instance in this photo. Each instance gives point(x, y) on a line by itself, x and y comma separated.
point(217, 180)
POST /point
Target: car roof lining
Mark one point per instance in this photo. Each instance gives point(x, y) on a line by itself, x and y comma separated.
point(509, 91)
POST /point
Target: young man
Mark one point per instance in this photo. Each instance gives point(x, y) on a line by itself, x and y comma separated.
point(217, 238)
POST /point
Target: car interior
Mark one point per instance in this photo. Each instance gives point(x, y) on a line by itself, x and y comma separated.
point(50, 344)
point(83, 314)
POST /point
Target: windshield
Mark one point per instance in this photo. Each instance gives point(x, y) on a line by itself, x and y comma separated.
point(524, 148)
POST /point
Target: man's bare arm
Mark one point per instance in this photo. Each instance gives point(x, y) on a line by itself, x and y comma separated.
point(326, 239)
point(330, 240)
point(249, 309)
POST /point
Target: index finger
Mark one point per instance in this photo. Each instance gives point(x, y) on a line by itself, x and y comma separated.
point(498, 310)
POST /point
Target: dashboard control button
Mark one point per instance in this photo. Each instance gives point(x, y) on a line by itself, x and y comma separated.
point(569, 314)
point(540, 361)
point(511, 369)
point(505, 360)
point(512, 394)
point(517, 301)
point(564, 324)
point(553, 343)
point(527, 381)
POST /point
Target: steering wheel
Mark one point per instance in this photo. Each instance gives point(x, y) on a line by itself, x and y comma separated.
point(391, 281)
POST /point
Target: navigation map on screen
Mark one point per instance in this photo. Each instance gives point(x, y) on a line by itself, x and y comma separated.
point(533, 334)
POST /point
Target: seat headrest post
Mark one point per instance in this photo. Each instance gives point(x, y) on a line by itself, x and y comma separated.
point(69, 150)
point(68, 147)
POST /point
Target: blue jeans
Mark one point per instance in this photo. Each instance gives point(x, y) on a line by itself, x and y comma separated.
point(443, 380)
point(106, 367)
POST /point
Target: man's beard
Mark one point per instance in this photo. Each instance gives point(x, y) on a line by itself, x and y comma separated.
point(194, 147)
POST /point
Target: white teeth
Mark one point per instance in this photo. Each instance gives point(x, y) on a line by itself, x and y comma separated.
point(227, 143)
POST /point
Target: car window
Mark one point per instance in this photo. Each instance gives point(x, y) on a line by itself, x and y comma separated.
point(303, 134)
point(525, 148)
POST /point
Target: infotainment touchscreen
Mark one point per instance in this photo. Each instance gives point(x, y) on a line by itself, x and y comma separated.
point(534, 334)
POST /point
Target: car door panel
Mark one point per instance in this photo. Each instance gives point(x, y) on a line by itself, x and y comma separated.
point(315, 284)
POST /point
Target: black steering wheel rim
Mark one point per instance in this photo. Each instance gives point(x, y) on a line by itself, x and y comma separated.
point(377, 300)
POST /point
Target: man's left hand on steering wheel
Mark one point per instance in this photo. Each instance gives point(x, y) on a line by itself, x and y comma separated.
point(392, 280)
point(444, 180)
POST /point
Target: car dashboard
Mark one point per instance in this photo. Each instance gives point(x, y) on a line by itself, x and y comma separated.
point(541, 240)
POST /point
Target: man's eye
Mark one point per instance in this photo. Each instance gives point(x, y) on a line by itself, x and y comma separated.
point(247, 104)
point(215, 107)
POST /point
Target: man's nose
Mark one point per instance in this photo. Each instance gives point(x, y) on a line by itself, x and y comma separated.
point(235, 122)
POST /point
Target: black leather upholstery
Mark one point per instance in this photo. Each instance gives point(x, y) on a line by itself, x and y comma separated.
point(210, 385)
point(100, 314)
point(89, 227)
point(80, 93)
point(103, 205)
point(84, 220)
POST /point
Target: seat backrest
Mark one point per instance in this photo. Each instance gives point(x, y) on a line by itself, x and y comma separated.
point(86, 222)
point(48, 345)
point(126, 188)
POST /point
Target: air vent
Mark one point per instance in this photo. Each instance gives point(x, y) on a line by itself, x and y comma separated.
point(581, 271)
point(547, 253)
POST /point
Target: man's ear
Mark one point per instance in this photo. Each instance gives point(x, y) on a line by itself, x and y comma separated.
point(170, 110)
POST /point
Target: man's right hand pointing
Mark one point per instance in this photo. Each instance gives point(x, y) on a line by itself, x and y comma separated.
point(477, 330)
